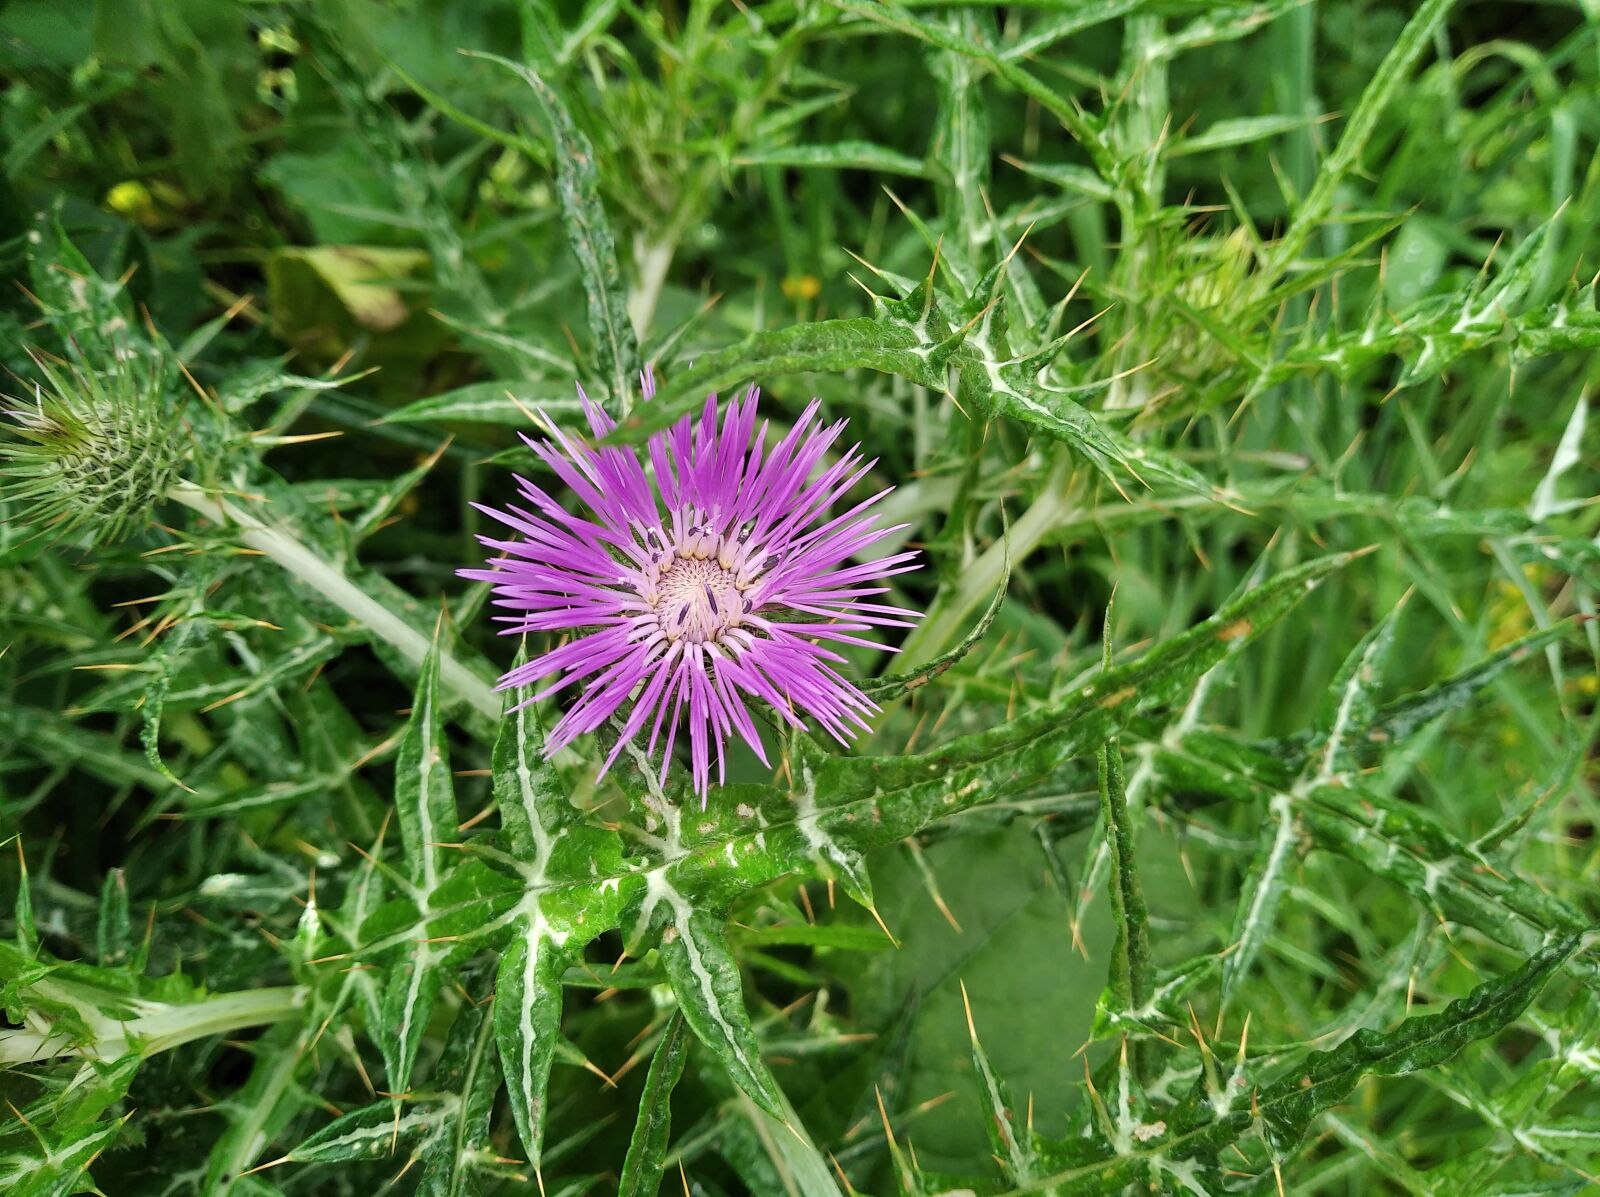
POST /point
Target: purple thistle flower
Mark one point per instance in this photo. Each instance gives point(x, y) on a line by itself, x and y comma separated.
point(681, 590)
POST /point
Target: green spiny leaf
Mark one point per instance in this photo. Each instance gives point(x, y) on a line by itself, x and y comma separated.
point(589, 234)
point(425, 805)
point(1265, 880)
point(1012, 1145)
point(884, 689)
point(1380, 91)
point(1407, 715)
point(527, 1025)
point(840, 155)
point(646, 1160)
point(705, 977)
point(1426, 1041)
point(424, 799)
point(1350, 704)
point(376, 1131)
point(467, 1070)
point(113, 936)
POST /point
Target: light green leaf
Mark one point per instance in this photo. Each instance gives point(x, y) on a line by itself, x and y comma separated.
point(507, 403)
point(841, 155)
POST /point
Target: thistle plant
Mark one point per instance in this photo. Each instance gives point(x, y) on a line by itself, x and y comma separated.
point(1120, 717)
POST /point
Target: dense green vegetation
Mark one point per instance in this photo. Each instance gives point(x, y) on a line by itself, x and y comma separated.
point(1230, 825)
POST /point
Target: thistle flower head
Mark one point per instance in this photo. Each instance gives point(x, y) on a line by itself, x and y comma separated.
point(88, 450)
point(718, 577)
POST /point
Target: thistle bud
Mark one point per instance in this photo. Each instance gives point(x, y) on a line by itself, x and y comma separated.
point(88, 450)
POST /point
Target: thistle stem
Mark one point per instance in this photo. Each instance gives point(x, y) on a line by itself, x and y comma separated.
point(946, 618)
point(328, 580)
point(157, 1027)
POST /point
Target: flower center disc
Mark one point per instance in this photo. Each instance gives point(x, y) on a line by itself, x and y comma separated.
point(697, 600)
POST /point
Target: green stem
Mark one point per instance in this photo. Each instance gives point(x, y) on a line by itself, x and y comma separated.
point(1130, 958)
point(652, 259)
point(328, 580)
point(949, 614)
point(157, 1027)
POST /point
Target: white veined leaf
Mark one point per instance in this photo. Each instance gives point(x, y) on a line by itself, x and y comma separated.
point(1568, 453)
point(424, 796)
point(377, 1130)
point(527, 1026)
point(705, 977)
point(1265, 881)
point(1350, 705)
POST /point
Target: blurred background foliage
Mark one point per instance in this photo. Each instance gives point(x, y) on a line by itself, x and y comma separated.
point(1327, 270)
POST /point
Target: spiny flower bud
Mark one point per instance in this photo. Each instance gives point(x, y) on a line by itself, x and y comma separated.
point(89, 450)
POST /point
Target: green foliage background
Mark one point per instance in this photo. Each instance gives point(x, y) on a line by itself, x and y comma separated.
point(1231, 823)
